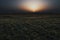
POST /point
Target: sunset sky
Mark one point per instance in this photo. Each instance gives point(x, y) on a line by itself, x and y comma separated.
point(15, 5)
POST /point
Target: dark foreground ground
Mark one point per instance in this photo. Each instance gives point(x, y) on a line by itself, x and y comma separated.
point(29, 27)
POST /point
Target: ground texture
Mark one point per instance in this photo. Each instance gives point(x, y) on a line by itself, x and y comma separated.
point(42, 27)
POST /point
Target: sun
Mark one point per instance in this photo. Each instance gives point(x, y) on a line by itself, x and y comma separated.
point(33, 6)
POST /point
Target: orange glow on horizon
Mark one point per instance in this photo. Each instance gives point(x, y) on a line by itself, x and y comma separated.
point(33, 6)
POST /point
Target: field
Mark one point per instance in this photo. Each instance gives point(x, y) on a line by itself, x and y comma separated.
point(29, 27)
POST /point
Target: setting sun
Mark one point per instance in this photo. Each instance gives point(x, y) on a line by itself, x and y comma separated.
point(33, 6)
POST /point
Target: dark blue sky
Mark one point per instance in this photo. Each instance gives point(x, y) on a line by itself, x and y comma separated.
point(11, 5)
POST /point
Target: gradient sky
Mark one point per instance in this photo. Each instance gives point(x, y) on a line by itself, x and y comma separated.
point(6, 5)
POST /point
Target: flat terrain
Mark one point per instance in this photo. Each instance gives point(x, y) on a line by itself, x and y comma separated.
point(29, 27)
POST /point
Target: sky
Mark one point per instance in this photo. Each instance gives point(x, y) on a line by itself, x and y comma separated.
point(13, 5)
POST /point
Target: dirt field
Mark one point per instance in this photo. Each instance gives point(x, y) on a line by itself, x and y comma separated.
point(29, 27)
